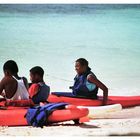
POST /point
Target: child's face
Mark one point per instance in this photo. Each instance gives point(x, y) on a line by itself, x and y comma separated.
point(34, 78)
point(79, 68)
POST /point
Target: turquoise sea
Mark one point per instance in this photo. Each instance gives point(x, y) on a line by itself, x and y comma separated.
point(54, 36)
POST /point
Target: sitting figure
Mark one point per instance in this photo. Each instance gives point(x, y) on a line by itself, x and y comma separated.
point(86, 84)
point(38, 90)
point(12, 86)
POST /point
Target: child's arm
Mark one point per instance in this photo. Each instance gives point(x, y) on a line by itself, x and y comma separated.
point(99, 84)
point(2, 83)
point(33, 90)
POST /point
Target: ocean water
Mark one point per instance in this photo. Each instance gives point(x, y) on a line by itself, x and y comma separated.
point(54, 36)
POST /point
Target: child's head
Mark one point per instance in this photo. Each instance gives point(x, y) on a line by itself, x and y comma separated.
point(10, 68)
point(81, 66)
point(36, 74)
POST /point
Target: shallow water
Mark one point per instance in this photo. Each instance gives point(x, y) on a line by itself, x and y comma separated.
point(54, 36)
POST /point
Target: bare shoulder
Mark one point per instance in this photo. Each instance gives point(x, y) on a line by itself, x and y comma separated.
point(5, 80)
point(91, 76)
point(25, 80)
point(2, 83)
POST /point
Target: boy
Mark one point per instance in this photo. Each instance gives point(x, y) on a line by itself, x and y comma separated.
point(12, 86)
point(38, 90)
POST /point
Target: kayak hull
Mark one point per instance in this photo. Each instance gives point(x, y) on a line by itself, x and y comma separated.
point(125, 101)
point(14, 116)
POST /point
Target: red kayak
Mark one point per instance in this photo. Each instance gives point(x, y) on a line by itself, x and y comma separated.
point(14, 116)
point(125, 101)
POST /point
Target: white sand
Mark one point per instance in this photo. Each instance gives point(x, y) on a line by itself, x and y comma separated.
point(125, 122)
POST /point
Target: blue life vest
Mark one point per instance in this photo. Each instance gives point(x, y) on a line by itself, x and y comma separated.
point(82, 87)
point(38, 116)
point(42, 94)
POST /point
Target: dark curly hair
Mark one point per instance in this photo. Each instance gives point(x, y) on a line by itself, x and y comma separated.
point(11, 66)
point(37, 70)
point(83, 62)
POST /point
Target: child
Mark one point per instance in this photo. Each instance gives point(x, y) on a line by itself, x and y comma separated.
point(86, 83)
point(12, 86)
point(38, 90)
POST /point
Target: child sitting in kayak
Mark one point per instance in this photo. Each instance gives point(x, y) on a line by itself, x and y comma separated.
point(38, 90)
point(86, 83)
point(12, 86)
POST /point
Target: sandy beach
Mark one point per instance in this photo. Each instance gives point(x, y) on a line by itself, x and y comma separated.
point(122, 123)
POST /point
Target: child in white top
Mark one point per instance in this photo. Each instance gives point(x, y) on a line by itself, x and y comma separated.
point(12, 86)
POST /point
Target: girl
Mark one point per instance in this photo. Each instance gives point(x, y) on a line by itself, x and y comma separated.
point(86, 83)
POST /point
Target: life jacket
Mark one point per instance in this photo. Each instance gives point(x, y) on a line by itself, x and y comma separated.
point(38, 116)
point(42, 94)
point(82, 87)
